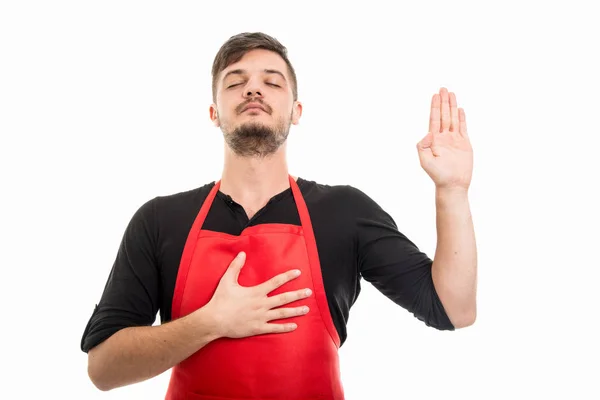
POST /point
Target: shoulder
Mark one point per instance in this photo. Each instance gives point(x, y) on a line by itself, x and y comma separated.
point(346, 197)
point(171, 206)
point(341, 203)
point(183, 199)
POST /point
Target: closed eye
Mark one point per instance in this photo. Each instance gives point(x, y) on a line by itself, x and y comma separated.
point(237, 84)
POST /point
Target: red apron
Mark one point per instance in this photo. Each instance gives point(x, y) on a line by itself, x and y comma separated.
point(301, 364)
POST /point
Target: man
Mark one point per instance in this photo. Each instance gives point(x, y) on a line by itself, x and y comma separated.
point(254, 275)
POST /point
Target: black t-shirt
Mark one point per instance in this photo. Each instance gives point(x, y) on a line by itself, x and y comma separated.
point(355, 239)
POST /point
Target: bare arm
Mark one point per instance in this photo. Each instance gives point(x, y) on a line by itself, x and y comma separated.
point(446, 155)
point(139, 353)
point(454, 269)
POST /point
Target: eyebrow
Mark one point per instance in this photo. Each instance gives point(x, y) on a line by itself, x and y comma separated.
point(243, 71)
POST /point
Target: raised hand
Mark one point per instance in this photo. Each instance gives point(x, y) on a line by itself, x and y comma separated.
point(445, 152)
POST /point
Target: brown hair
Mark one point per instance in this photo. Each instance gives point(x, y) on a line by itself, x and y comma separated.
point(237, 46)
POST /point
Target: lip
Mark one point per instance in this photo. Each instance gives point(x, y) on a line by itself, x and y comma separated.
point(253, 107)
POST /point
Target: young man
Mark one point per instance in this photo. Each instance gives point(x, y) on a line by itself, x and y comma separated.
point(254, 275)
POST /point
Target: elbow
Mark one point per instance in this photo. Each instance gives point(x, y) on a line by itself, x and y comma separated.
point(464, 319)
point(99, 383)
point(95, 371)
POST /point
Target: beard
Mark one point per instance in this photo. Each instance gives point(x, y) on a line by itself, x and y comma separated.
point(255, 139)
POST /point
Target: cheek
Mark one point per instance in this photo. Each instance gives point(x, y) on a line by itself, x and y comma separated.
point(225, 110)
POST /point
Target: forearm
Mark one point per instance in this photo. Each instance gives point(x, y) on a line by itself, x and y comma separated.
point(454, 268)
point(139, 353)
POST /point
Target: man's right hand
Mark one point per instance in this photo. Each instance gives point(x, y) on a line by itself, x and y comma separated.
point(135, 354)
point(246, 311)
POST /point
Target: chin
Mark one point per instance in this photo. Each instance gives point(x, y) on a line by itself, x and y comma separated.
point(250, 117)
point(257, 124)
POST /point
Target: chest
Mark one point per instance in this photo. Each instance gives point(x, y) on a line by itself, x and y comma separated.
point(334, 242)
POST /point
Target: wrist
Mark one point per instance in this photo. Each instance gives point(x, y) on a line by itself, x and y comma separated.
point(451, 199)
point(451, 193)
point(206, 320)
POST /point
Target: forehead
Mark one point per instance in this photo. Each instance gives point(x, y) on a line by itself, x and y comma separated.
point(257, 61)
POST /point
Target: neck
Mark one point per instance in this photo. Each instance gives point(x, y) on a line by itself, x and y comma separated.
point(253, 181)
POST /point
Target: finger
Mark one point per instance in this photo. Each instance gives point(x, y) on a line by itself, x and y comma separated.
point(277, 281)
point(454, 124)
point(463, 122)
point(282, 313)
point(445, 109)
point(279, 328)
point(288, 297)
point(434, 116)
point(236, 266)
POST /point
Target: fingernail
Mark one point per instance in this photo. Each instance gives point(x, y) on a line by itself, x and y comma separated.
point(241, 255)
point(308, 292)
point(297, 272)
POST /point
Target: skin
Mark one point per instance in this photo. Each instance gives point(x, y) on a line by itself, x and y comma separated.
point(446, 155)
point(136, 354)
point(255, 170)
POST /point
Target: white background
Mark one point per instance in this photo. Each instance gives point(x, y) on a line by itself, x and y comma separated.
point(104, 105)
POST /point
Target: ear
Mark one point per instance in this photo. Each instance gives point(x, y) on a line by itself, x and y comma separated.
point(296, 112)
point(214, 116)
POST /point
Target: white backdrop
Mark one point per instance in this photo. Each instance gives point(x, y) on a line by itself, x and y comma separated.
point(104, 105)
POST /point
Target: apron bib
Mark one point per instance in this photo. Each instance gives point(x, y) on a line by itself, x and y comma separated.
point(301, 364)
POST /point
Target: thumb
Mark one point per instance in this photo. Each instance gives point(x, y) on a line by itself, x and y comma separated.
point(425, 143)
point(236, 266)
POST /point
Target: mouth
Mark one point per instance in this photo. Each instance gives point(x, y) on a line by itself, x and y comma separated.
point(256, 109)
point(254, 106)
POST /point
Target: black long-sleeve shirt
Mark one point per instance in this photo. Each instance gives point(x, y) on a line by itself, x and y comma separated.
point(355, 239)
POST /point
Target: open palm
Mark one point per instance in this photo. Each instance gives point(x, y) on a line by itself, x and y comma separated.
point(445, 152)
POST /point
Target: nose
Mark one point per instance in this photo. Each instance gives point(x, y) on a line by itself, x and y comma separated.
point(253, 88)
point(253, 93)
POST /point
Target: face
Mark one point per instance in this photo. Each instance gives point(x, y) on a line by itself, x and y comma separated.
point(255, 106)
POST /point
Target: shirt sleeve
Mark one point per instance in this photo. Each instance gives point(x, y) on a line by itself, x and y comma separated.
point(131, 294)
point(395, 266)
